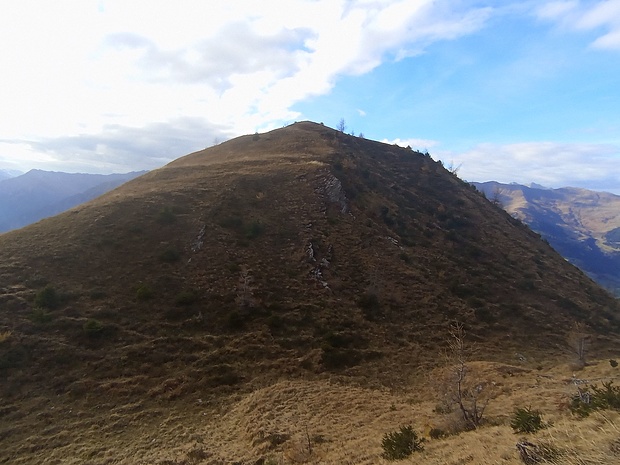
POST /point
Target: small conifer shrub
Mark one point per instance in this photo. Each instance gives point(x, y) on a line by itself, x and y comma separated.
point(170, 256)
point(594, 398)
point(437, 433)
point(166, 216)
point(144, 292)
point(398, 445)
point(47, 298)
point(93, 328)
point(526, 420)
point(254, 229)
point(186, 298)
point(40, 316)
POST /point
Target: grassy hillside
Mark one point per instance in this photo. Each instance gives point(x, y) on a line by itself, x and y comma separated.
point(218, 309)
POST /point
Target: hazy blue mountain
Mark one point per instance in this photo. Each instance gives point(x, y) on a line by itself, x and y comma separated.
point(39, 194)
point(583, 225)
point(6, 174)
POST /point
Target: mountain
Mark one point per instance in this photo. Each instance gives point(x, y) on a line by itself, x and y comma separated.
point(6, 174)
point(583, 225)
point(39, 194)
point(282, 297)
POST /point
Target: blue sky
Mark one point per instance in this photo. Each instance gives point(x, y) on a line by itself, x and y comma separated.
point(523, 91)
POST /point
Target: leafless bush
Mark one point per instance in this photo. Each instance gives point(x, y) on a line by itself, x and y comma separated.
point(496, 197)
point(578, 340)
point(461, 390)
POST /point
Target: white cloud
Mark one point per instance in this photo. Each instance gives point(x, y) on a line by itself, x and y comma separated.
point(548, 163)
point(587, 16)
point(116, 148)
point(80, 67)
point(421, 145)
point(556, 10)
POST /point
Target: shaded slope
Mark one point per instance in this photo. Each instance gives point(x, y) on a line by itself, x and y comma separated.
point(302, 252)
point(583, 225)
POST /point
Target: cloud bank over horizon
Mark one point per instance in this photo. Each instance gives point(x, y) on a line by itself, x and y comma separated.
point(109, 86)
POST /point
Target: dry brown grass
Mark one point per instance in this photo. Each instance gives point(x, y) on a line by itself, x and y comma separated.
point(346, 424)
point(276, 346)
point(5, 336)
point(321, 421)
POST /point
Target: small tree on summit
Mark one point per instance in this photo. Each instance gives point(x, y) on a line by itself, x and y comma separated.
point(342, 127)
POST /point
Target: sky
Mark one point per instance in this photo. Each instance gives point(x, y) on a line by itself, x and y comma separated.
point(512, 91)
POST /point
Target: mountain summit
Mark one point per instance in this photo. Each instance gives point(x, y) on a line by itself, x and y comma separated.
point(298, 254)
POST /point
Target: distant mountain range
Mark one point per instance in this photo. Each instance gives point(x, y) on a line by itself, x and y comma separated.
point(583, 225)
point(38, 194)
point(6, 174)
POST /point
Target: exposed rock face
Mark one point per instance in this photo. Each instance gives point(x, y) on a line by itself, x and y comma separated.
point(331, 188)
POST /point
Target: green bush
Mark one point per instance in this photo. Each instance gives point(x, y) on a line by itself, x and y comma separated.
point(594, 398)
point(235, 321)
point(166, 216)
point(370, 305)
point(526, 420)
point(437, 433)
point(144, 292)
point(47, 298)
point(93, 328)
point(185, 298)
point(40, 315)
point(339, 358)
point(276, 323)
point(613, 363)
point(234, 222)
point(398, 445)
point(254, 229)
point(170, 256)
point(97, 294)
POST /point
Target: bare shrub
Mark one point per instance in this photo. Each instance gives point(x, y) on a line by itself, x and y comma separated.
point(463, 390)
point(578, 340)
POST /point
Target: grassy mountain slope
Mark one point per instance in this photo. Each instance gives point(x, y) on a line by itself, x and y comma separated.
point(139, 321)
point(583, 225)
